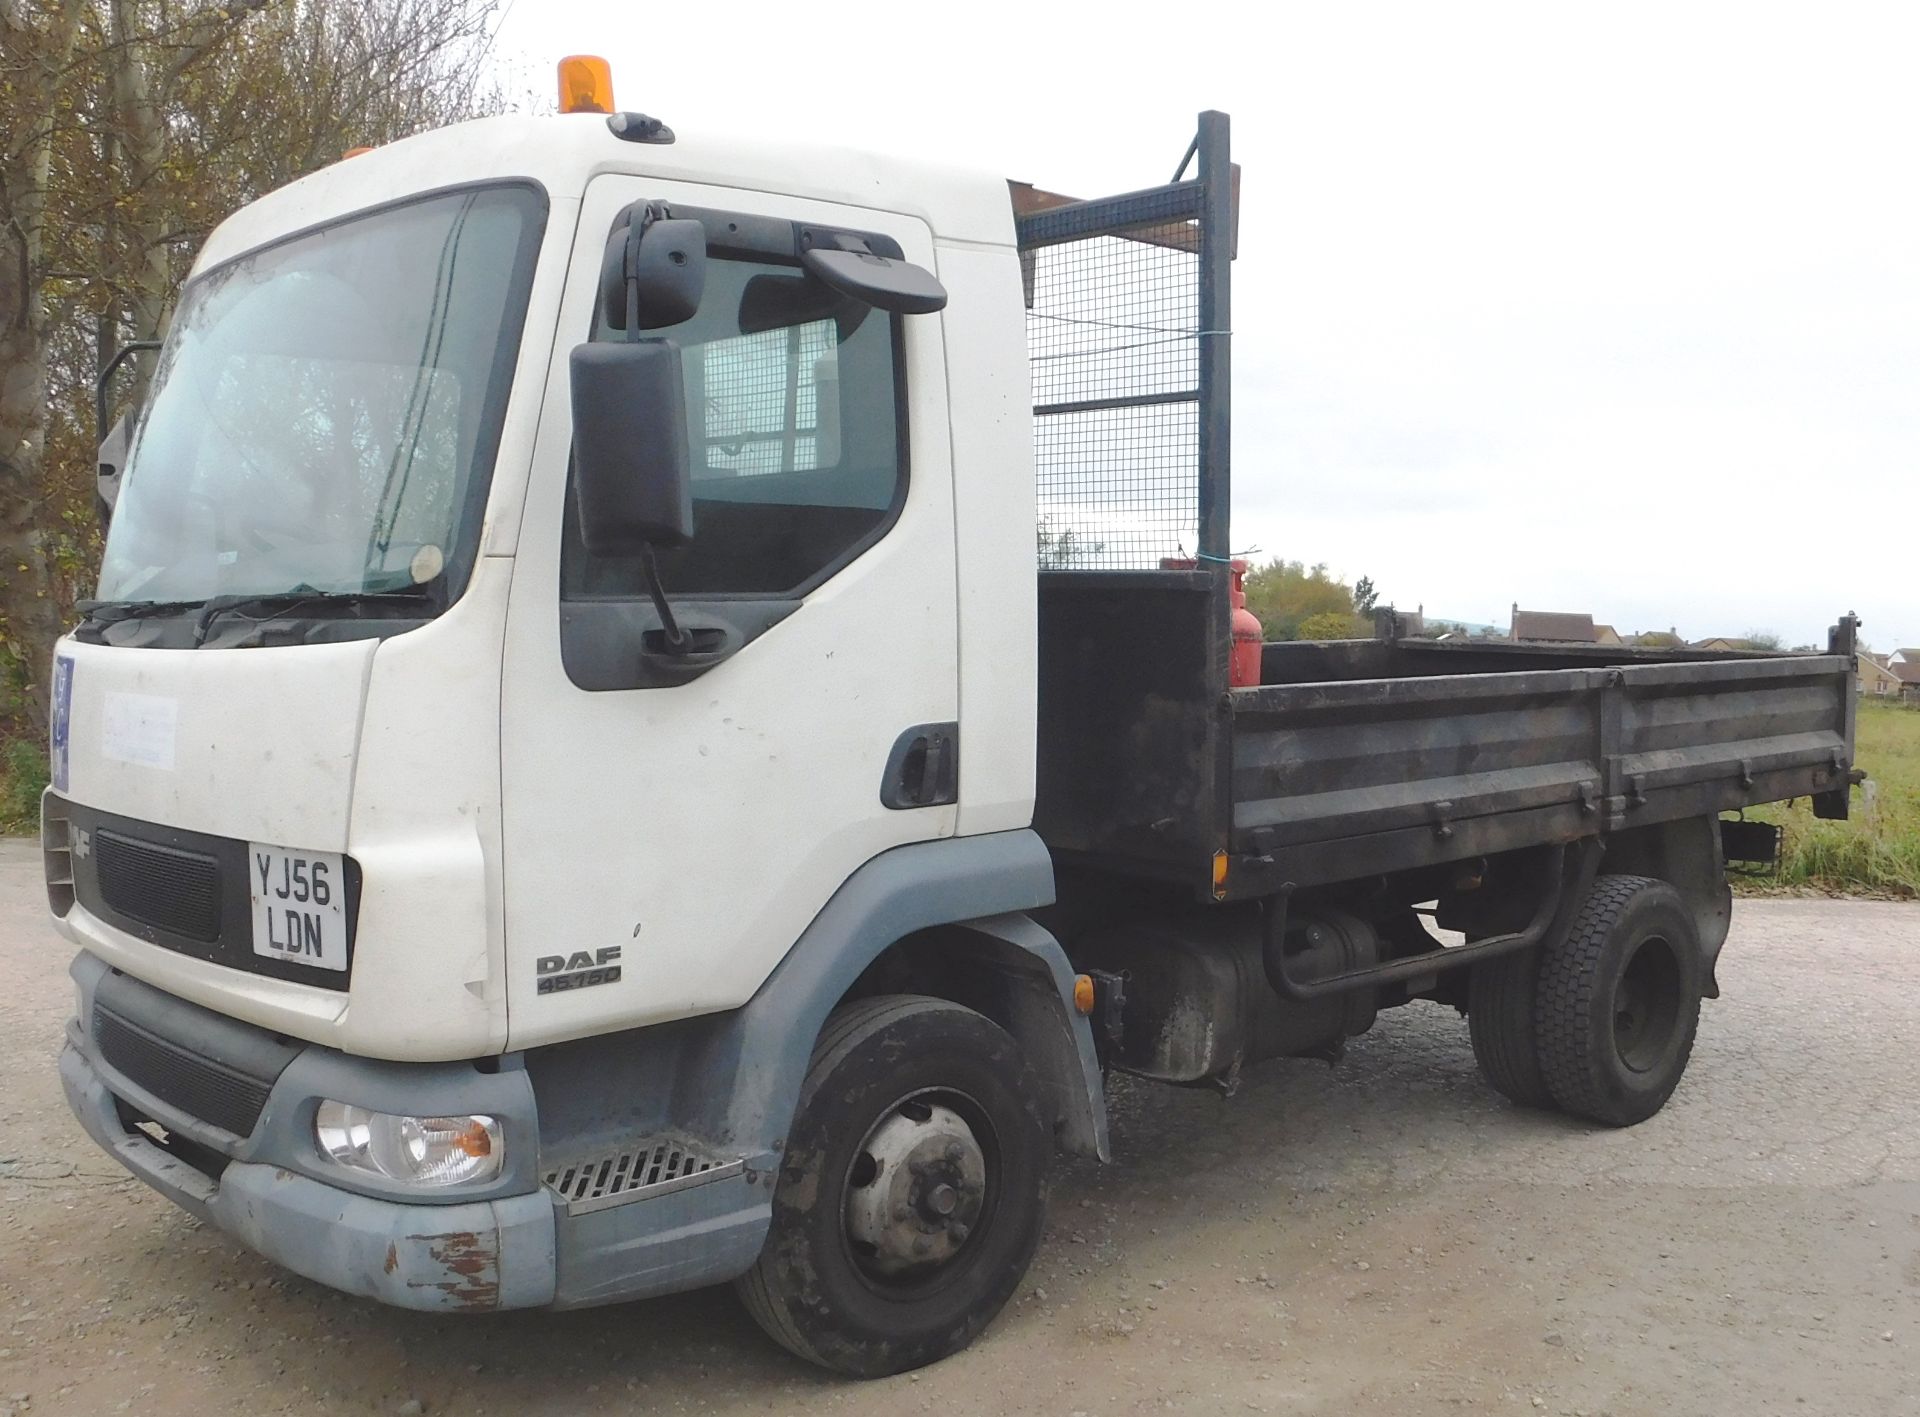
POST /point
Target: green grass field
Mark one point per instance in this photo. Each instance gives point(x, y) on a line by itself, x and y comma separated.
point(1877, 850)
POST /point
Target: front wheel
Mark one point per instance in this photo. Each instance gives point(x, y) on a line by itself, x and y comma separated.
point(912, 1193)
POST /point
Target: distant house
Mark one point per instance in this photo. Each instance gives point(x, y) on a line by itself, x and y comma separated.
point(1606, 635)
point(1722, 642)
point(1906, 664)
point(1878, 679)
point(1555, 627)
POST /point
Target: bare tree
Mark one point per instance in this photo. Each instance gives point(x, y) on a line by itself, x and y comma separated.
point(35, 51)
point(128, 129)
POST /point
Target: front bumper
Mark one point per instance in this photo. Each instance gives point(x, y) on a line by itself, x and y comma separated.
point(495, 1254)
point(508, 1244)
point(495, 1250)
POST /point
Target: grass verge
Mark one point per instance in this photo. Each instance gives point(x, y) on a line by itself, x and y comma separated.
point(1877, 850)
point(23, 774)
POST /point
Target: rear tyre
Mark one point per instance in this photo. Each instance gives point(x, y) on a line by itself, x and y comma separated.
point(1500, 997)
point(1618, 1002)
point(912, 1192)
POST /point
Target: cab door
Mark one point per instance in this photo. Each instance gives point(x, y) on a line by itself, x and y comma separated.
point(672, 824)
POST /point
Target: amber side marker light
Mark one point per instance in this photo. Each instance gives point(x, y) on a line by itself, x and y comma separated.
point(1083, 993)
point(586, 84)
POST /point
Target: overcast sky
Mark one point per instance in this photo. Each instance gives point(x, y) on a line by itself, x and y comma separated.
point(1606, 308)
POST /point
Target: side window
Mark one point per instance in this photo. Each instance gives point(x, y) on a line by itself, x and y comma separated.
point(795, 413)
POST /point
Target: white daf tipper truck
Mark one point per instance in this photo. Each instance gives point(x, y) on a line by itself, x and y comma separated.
point(659, 710)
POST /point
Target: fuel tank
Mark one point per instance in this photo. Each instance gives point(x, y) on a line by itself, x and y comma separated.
point(1197, 999)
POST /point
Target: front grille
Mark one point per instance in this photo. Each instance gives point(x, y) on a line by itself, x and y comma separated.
point(200, 1087)
point(162, 886)
point(646, 1168)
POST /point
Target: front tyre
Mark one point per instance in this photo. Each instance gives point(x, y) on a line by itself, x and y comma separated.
point(912, 1193)
point(1617, 1002)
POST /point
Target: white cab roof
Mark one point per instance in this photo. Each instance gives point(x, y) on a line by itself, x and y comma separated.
point(564, 153)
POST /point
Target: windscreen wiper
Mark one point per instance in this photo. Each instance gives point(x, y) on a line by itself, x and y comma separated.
point(281, 602)
point(112, 612)
point(97, 615)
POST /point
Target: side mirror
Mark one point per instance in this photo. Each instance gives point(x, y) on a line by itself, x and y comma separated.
point(663, 270)
point(887, 283)
point(631, 460)
point(109, 462)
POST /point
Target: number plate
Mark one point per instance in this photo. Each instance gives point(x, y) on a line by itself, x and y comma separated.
point(299, 905)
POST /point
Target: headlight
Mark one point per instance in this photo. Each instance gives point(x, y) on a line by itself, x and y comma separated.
point(423, 1151)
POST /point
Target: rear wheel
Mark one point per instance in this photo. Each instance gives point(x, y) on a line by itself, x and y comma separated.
point(1618, 1002)
point(912, 1193)
point(1500, 994)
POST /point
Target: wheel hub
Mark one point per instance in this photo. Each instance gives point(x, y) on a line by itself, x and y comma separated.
point(1646, 1004)
point(918, 1185)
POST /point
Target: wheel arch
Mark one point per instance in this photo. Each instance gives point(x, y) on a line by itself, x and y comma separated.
point(1687, 855)
point(961, 899)
point(1012, 970)
point(945, 918)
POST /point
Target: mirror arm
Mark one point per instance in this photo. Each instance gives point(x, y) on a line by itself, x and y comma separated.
point(634, 233)
point(105, 377)
point(649, 564)
point(676, 637)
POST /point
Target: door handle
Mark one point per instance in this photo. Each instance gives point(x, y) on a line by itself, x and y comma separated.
point(923, 770)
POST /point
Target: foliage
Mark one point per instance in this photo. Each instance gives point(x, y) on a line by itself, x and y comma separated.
point(23, 776)
point(1877, 850)
point(128, 130)
point(1064, 549)
point(1286, 595)
point(1332, 625)
point(1764, 640)
point(1365, 596)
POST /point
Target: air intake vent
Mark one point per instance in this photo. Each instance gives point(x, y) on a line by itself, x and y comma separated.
point(646, 1168)
point(200, 1087)
point(162, 886)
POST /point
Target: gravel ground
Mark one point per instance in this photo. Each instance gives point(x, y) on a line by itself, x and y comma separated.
point(1385, 1235)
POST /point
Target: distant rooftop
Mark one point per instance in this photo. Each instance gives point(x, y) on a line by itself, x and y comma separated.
point(1552, 625)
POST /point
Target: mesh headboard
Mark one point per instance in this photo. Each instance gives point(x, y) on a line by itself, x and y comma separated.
point(1118, 295)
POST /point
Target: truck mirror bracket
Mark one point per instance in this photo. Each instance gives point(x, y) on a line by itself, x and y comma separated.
point(845, 262)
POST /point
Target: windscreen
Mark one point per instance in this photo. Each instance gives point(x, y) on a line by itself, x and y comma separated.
point(326, 410)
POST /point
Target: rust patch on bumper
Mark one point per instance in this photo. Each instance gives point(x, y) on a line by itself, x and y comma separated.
point(472, 1266)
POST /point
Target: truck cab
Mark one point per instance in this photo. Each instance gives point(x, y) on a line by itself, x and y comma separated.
point(364, 753)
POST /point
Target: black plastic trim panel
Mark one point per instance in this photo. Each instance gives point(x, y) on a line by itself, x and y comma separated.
point(200, 1087)
point(161, 886)
point(223, 938)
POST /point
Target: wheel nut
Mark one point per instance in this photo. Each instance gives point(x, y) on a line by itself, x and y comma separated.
point(922, 1245)
point(955, 1151)
point(959, 1231)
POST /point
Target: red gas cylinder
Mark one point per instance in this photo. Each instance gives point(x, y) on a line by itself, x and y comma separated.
point(1243, 667)
point(1243, 661)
